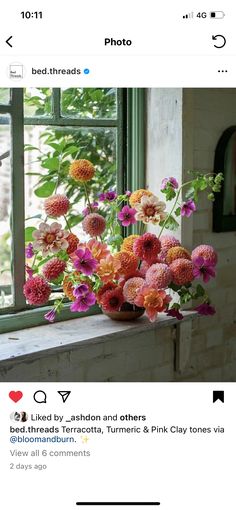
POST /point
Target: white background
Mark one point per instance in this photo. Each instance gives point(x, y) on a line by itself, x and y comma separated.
point(183, 472)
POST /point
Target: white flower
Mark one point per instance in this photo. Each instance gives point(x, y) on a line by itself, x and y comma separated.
point(150, 210)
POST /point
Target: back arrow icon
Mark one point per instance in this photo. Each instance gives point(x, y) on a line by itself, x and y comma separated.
point(7, 41)
point(223, 42)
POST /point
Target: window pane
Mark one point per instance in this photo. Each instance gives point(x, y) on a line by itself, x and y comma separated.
point(230, 177)
point(5, 212)
point(4, 96)
point(87, 103)
point(38, 102)
point(58, 147)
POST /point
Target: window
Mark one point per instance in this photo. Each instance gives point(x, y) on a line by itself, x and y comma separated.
point(41, 130)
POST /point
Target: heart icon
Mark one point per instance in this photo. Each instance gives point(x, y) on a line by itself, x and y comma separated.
point(15, 395)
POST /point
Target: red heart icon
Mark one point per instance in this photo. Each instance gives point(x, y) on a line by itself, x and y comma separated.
point(15, 395)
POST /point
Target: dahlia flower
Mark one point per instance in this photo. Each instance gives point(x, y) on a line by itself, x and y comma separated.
point(94, 224)
point(112, 300)
point(188, 208)
point(82, 170)
point(150, 210)
point(128, 243)
point(135, 197)
point(147, 247)
point(57, 205)
point(207, 252)
point(99, 250)
point(167, 242)
point(127, 216)
point(152, 300)
point(177, 252)
point(73, 242)
point(50, 238)
point(159, 276)
point(131, 288)
point(128, 262)
point(53, 269)
point(84, 261)
point(203, 268)
point(108, 268)
point(103, 289)
point(182, 271)
point(37, 290)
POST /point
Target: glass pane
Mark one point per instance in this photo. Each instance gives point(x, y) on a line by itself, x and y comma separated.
point(38, 102)
point(4, 96)
point(5, 212)
point(230, 177)
point(49, 165)
point(87, 103)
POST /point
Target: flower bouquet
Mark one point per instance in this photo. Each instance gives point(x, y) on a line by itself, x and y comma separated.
point(124, 274)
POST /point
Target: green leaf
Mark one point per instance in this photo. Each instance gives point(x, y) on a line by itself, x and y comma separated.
point(74, 220)
point(178, 211)
point(170, 223)
point(51, 163)
point(46, 190)
point(28, 234)
point(30, 148)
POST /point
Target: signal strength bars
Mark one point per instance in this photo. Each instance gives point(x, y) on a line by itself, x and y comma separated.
point(188, 16)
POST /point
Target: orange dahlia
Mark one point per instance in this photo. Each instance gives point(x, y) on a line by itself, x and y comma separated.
point(94, 224)
point(57, 205)
point(177, 252)
point(82, 170)
point(128, 243)
point(131, 288)
point(152, 300)
point(182, 271)
point(135, 197)
point(99, 250)
point(108, 268)
point(128, 262)
point(73, 242)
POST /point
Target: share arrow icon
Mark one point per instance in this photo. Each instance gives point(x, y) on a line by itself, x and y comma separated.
point(64, 395)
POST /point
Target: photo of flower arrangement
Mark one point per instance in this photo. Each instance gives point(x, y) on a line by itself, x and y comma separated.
point(121, 272)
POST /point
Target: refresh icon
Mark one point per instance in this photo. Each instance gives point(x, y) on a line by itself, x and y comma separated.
point(221, 39)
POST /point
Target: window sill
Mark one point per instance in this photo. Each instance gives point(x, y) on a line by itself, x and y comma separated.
point(38, 341)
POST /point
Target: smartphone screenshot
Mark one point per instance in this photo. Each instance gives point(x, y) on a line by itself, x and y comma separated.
point(117, 255)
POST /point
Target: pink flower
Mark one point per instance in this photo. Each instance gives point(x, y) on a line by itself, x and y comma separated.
point(84, 261)
point(203, 268)
point(50, 238)
point(88, 210)
point(51, 315)
point(29, 251)
point(29, 271)
point(171, 181)
point(174, 312)
point(127, 216)
point(37, 290)
point(84, 299)
point(205, 309)
point(188, 208)
point(128, 193)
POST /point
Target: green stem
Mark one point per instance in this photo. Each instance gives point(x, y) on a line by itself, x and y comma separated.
point(87, 197)
point(174, 206)
point(67, 224)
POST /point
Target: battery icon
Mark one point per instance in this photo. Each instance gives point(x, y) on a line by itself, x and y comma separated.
point(217, 14)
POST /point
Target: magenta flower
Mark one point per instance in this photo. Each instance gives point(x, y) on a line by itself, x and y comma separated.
point(128, 193)
point(188, 208)
point(90, 209)
point(171, 181)
point(84, 262)
point(174, 312)
point(205, 309)
point(127, 216)
point(203, 268)
point(51, 315)
point(108, 195)
point(102, 197)
point(29, 271)
point(84, 299)
point(29, 251)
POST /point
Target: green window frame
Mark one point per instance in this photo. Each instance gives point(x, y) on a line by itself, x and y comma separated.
point(130, 125)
